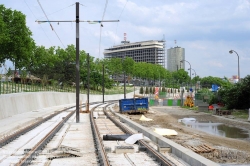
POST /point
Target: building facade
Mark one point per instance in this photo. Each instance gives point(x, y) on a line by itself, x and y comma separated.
point(152, 51)
point(174, 56)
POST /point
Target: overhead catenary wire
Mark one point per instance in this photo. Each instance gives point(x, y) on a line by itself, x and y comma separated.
point(39, 24)
point(50, 23)
point(119, 18)
point(58, 10)
point(106, 4)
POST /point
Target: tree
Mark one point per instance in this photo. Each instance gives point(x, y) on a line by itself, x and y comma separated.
point(141, 90)
point(146, 92)
point(150, 90)
point(16, 43)
point(208, 81)
point(180, 75)
point(236, 96)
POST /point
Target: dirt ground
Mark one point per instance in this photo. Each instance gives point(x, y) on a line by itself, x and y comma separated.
point(217, 148)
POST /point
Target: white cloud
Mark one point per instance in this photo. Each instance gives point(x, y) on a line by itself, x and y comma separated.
point(215, 64)
point(206, 29)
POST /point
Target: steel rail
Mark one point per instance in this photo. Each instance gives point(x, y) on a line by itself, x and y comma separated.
point(103, 158)
point(7, 139)
point(11, 137)
point(26, 160)
point(162, 159)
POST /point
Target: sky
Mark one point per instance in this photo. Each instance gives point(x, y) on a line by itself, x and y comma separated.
point(207, 29)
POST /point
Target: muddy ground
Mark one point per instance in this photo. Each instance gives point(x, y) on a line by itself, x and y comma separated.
point(221, 149)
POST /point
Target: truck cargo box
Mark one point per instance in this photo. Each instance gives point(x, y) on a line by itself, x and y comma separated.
point(133, 105)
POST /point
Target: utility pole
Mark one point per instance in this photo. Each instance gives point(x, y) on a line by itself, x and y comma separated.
point(77, 62)
point(124, 56)
point(103, 83)
point(77, 51)
point(87, 106)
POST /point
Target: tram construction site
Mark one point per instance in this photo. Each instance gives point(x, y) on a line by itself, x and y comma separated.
point(49, 135)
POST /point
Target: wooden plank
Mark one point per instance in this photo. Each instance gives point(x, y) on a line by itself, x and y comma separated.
point(209, 147)
point(200, 149)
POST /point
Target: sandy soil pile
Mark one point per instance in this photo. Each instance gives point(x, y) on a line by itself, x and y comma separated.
point(216, 148)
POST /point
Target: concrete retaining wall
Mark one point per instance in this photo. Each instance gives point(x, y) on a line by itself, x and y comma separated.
point(12, 104)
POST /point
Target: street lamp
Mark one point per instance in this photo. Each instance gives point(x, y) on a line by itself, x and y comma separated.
point(190, 67)
point(195, 82)
point(231, 51)
point(194, 72)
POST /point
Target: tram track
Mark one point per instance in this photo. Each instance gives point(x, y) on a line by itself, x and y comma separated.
point(15, 134)
point(161, 159)
point(26, 160)
point(104, 157)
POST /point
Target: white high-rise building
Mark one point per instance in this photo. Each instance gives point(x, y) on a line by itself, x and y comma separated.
point(174, 56)
point(152, 51)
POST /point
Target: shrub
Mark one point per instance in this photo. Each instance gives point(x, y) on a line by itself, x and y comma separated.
point(141, 90)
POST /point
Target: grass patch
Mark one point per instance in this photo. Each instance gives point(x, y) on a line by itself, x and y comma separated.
point(242, 114)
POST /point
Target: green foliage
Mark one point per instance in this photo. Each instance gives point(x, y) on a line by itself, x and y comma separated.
point(146, 92)
point(207, 82)
point(236, 96)
point(9, 72)
point(180, 76)
point(213, 99)
point(57, 64)
point(141, 90)
point(16, 42)
point(195, 80)
point(243, 114)
point(150, 90)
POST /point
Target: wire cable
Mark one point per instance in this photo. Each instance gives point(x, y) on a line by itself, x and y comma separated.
point(50, 23)
point(119, 18)
point(58, 10)
point(39, 24)
point(106, 4)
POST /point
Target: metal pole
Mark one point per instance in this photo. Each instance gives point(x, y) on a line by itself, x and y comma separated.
point(77, 62)
point(102, 83)
point(190, 68)
point(124, 79)
point(124, 85)
point(231, 51)
point(87, 107)
point(238, 66)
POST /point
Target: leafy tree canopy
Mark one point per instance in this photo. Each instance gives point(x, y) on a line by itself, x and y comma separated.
point(16, 42)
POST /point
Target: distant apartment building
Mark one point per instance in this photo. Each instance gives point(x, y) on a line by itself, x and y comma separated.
point(152, 51)
point(174, 56)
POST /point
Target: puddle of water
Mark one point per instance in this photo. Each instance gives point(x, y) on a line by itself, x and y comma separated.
point(220, 129)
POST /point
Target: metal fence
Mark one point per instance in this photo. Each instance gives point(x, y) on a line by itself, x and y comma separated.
point(12, 87)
